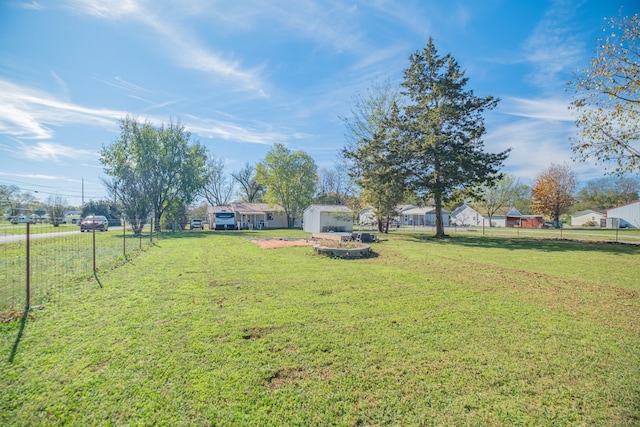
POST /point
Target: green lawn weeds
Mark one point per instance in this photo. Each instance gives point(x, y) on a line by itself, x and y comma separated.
point(209, 329)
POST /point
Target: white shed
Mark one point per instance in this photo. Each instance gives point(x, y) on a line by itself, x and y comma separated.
point(588, 216)
point(366, 216)
point(628, 215)
point(327, 218)
point(465, 216)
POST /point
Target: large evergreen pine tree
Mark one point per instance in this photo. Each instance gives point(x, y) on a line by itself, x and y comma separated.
point(441, 128)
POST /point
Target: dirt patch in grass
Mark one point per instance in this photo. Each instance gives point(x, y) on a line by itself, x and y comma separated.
point(255, 333)
point(282, 243)
point(294, 376)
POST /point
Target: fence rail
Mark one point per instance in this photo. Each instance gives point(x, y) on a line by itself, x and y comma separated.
point(39, 260)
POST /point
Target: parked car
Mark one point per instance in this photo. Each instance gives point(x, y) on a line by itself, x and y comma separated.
point(94, 222)
point(197, 223)
point(553, 224)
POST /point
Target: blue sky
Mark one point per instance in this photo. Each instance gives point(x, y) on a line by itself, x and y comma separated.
point(242, 75)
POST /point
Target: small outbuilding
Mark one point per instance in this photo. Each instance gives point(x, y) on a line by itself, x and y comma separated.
point(627, 216)
point(587, 217)
point(465, 216)
point(327, 218)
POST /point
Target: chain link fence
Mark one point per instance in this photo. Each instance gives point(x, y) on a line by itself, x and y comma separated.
point(37, 261)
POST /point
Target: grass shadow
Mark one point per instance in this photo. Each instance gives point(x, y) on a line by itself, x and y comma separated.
point(16, 343)
point(528, 243)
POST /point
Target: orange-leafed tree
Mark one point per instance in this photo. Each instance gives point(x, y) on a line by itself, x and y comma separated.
point(552, 194)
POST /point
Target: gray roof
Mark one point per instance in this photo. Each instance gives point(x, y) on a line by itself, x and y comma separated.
point(587, 212)
point(329, 208)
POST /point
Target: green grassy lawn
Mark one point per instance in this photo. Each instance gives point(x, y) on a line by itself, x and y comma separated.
point(209, 329)
point(8, 228)
point(578, 233)
point(57, 262)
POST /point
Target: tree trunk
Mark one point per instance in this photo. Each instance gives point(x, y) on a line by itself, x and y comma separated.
point(439, 221)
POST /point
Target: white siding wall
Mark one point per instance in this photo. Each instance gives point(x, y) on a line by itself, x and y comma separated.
point(577, 221)
point(629, 215)
point(317, 220)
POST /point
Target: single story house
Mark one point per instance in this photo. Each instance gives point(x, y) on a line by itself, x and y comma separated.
point(366, 216)
point(504, 217)
point(578, 219)
point(327, 218)
point(250, 215)
point(626, 216)
point(466, 216)
point(424, 216)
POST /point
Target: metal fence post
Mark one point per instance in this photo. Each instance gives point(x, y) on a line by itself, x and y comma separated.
point(124, 238)
point(28, 268)
point(94, 246)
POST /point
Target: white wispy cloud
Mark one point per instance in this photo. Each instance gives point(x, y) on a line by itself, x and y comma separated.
point(110, 9)
point(52, 151)
point(178, 41)
point(549, 109)
point(378, 56)
point(34, 5)
point(229, 131)
point(30, 175)
point(537, 139)
point(30, 113)
point(27, 113)
point(553, 47)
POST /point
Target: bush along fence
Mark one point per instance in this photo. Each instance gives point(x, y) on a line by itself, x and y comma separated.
point(39, 260)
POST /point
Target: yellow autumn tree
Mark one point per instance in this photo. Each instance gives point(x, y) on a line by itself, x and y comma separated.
point(552, 194)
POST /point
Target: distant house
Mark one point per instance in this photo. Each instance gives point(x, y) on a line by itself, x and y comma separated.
point(578, 219)
point(424, 216)
point(366, 216)
point(327, 218)
point(247, 216)
point(505, 217)
point(626, 216)
point(466, 216)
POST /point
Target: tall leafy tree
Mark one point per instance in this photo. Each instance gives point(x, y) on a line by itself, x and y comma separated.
point(441, 128)
point(56, 206)
point(334, 186)
point(163, 158)
point(130, 190)
point(552, 193)
point(289, 178)
point(12, 198)
point(492, 198)
point(219, 187)
point(373, 151)
point(251, 191)
point(607, 98)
